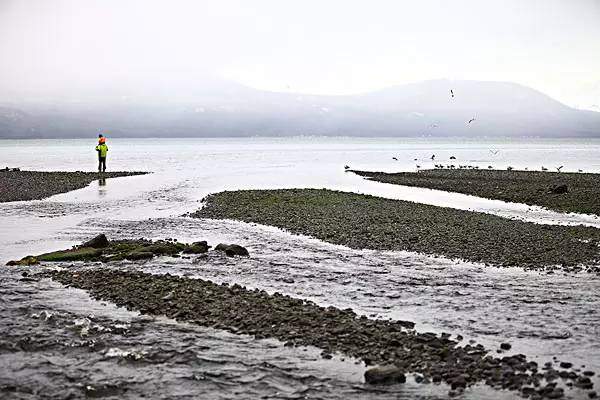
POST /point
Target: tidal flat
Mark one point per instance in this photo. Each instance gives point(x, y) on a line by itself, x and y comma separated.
point(558, 191)
point(37, 185)
point(367, 222)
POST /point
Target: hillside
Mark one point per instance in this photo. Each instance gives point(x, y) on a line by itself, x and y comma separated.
point(221, 108)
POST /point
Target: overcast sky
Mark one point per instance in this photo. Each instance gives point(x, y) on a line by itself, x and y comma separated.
point(324, 46)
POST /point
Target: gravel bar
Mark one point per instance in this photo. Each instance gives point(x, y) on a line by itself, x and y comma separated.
point(528, 187)
point(298, 322)
point(369, 222)
point(37, 185)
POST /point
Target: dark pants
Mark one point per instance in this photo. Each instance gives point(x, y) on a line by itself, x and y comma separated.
point(101, 164)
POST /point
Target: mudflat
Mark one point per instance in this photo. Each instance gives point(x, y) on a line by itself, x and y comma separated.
point(37, 185)
point(565, 192)
point(368, 222)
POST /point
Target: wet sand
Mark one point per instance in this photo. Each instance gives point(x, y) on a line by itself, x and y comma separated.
point(528, 187)
point(297, 322)
point(37, 185)
point(367, 222)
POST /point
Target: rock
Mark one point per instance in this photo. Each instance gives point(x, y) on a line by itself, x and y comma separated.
point(458, 382)
point(75, 254)
point(505, 346)
point(232, 249)
point(98, 242)
point(565, 364)
point(584, 382)
point(25, 261)
point(163, 248)
point(592, 395)
point(557, 393)
point(196, 248)
point(236, 250)
point(139, 255)
point(385, 374)
point(221, 247)
point(559, 189)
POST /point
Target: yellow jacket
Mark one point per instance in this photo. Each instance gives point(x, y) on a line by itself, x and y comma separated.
point(102, 149)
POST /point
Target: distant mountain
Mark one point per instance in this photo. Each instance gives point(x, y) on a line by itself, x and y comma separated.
point(222, 108)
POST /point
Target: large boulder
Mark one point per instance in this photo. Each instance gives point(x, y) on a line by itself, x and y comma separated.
point(384, 374)
point(232, 249)
point(29, 260)
point(196, 248)
point(98, 242)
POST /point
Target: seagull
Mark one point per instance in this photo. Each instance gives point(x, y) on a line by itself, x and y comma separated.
point(490, 167)
point(471, 120)
point(346, 167)
point(418, 166)
point(415, 159)
point(509, 168)
point(544, 169)
point(494, 152)
point(580, 170)
point(559, 168)
point(394, 158)
point(452, 158)
point(433, 157)
point(452, 93)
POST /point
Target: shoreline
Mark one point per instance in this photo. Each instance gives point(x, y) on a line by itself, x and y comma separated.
point(368, 222)
point(533, 188)
point(38, 185)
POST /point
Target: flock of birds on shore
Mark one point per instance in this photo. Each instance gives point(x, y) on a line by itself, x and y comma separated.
point(468, 166)
point(460, 166)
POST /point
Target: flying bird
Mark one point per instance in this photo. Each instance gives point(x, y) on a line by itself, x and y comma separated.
point(559, 168)
point(452, 158)
point(471, 120)
point(494, 152)
point(394, 158)
point(433, 157)
point(346, 167)
point(452, 93)
point(544, 169)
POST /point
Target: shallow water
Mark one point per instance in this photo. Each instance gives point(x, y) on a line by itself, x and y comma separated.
point(541, 315)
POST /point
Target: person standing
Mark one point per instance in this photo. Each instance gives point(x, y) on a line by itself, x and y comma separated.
point(102, 150)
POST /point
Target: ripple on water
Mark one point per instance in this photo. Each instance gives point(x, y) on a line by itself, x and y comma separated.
point(61, 343)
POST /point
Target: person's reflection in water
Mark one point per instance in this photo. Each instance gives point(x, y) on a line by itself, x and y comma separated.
point(102, 186)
